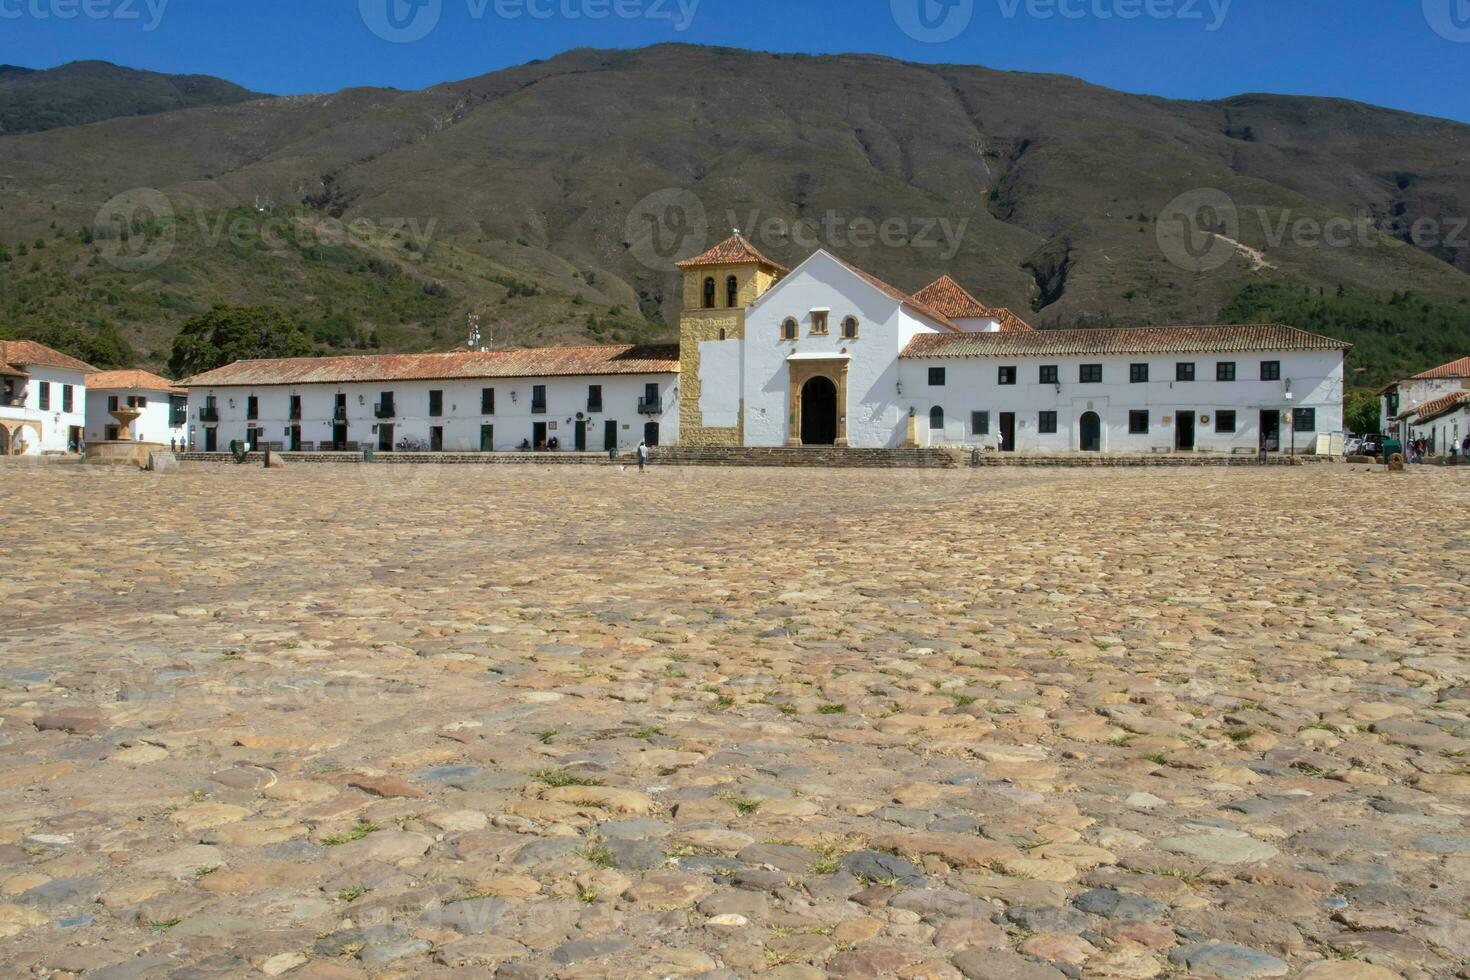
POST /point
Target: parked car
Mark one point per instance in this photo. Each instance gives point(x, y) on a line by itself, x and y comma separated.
point(1377, 446)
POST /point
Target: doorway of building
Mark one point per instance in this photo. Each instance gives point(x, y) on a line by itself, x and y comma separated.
point(4, 441)
point(650, 434)
point(609, 435)
point(211, 440)
point(538, 435)
point(296, 438)
point(819, 413)
point(385, 438)
point(74, 439)
point(487, 438)
point(436, 438)
point(1091, 441)
point(1007, 432)
point(1184, 432)
point(1271, 430)
point(580, 437)
point(110, 433)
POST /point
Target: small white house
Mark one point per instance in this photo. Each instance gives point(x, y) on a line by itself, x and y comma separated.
point(164, 405)
point(1401, 401)
point(565, 399)
point(42, 399)
point(1444, 424)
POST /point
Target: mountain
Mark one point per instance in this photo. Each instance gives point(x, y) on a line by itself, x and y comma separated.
point(523, 195)
point(89, 91)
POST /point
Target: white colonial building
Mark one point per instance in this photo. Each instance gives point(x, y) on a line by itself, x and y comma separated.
point(164, 407)
point(828, 354)
point(570, 398)
point(824, 354)
point(1429, 406)
point(42, 399)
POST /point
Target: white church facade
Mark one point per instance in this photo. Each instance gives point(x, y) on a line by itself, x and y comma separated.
point(828, 354)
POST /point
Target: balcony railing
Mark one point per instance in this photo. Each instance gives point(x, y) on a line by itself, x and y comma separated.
point(650, 406)
point(209, 413)
point(384, 410)
point(339, 414)
point(295, 413)
point(594, 407)
point(538, 408)
point(12, 401)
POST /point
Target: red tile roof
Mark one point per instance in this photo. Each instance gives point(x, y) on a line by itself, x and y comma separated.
point(734, 250)
point(951, 299)
point(539, 362)
point(28, 353)
point(1439, 407)
point(954, 301)
point(898, 294)
point(131, 381)
point(13, 371)
point(1454, 369)
point(1263, 337)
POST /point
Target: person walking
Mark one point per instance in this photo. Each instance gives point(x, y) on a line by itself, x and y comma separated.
point(642, 457)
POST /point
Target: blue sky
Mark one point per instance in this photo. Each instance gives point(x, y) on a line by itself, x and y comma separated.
point(1407, 54)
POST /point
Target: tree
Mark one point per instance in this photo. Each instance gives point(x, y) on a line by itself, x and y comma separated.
point(1360, 412)
point(235, 333)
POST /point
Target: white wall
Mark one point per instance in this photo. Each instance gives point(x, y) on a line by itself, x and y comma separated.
point(1445, 431)
point(874, 418)
point(1412, 394)
point(972, 385)
point(720, 374)
point(56, 424)
point(513, 420)
point(151, 426)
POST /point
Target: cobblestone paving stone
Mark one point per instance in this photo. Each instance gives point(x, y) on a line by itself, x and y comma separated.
point(564, 722)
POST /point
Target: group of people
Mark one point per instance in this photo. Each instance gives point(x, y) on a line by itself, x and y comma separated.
point(1417, 449)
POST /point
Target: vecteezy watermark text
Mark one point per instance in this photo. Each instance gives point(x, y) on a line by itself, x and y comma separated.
point(672, 224)
point(406, 21)
point(138, 230)
point(937, 21)
point(1210, 12)
point(1201, 230)
point(149, 12)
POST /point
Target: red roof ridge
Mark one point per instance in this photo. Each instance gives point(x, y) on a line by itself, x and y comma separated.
point(1443, 405)
point(130, 378)
point(1458, 368)
point(24, 353)
point(522, 362)
point(735, 250)
point(1222, 338)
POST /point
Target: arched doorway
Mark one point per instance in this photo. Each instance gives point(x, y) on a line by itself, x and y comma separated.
point(1091, 433)
point(819, 412)
point(4, 441)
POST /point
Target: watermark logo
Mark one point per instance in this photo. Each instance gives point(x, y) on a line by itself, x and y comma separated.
point(149, 12)
point(1197, 230)
point(401, 21)
point(1211, 13)
point(933, 21)
point(1200, 231)
point(406, 21)
point(665, 227)
point(1449, 18)
point(135, 231)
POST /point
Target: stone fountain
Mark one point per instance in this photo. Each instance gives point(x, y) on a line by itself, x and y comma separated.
point(124, 451)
